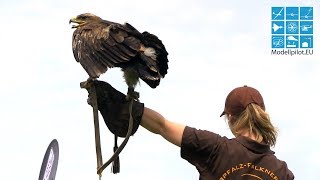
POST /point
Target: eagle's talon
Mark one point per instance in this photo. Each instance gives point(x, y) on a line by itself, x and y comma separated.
point(132, 95)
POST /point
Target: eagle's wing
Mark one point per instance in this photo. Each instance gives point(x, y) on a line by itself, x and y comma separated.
point(102, 45)
point(152, 40)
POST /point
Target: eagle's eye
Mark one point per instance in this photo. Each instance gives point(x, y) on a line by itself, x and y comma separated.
point(85, 17)
point(82, 17)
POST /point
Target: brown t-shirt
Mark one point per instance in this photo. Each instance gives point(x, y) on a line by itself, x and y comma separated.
point(219, 158)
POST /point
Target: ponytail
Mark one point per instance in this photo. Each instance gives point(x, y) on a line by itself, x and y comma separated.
point(257, 121)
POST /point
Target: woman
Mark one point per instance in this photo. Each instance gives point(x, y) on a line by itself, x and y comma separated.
point(247, 156)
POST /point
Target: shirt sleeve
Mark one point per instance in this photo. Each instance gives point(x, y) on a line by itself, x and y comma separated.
point(197, 145)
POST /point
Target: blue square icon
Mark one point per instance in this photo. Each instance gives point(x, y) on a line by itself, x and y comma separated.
point(292, 27)
point(292, 41)
point(306, 13)
point(292, 13)
point(277, 41)
point(277, 13)
point(306, 27)
point(277, 27)
point(306, 41)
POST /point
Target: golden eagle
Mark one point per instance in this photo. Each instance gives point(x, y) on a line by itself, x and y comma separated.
point(100, 44)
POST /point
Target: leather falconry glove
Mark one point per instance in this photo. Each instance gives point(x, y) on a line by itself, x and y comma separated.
point(114, 108)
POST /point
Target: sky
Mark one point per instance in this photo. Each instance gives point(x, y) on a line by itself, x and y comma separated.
point(214, 46)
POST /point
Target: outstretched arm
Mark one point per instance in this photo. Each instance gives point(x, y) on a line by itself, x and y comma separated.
point(114, 109)
point(156, 123)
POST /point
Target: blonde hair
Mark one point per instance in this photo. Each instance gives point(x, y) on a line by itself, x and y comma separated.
point(257, 121)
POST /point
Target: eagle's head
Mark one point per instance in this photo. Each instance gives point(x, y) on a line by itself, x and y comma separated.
point(83, 19)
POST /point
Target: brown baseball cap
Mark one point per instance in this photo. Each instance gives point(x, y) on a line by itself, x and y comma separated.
point(239, 98)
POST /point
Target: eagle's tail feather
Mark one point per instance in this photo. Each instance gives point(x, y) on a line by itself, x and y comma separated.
point(152, 83)
point(151, 78)
point(157, 45)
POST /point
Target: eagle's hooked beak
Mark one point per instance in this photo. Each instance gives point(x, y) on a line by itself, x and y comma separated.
point(76, 21)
